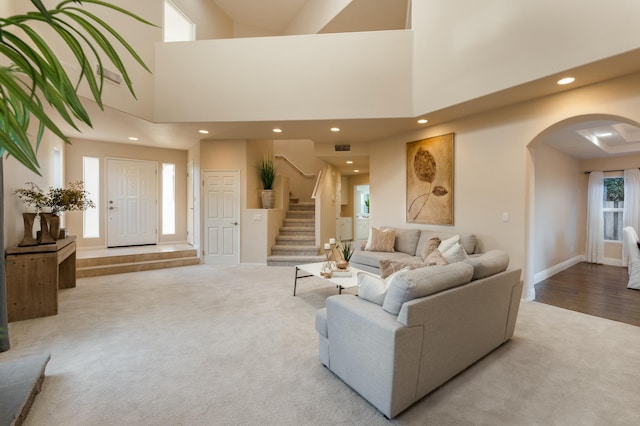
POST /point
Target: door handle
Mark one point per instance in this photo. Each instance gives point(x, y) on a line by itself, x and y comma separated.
point(234, 223)
point(112, 208)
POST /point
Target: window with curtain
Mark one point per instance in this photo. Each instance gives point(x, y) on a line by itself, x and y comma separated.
point(613, 208)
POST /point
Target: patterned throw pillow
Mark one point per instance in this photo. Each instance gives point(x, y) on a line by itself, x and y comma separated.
point(435, 258)
point(429, 247)
point(382, 240)
point(388, 267)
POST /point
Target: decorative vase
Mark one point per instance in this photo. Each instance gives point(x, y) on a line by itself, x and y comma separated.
point(267, 199)
point(54, 226)
point(28, 240)
point(45, 235)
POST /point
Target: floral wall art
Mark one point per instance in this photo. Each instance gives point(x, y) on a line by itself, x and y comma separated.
point(430, 180)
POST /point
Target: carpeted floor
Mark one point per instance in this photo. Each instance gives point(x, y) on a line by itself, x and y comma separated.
point(205, 345)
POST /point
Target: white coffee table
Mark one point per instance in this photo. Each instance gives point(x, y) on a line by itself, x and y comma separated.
point(314, 269)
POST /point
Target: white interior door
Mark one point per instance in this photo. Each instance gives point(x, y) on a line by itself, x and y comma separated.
point(132, 207)
point(221, 195)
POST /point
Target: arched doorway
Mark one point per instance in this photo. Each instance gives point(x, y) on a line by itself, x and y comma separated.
point(557, 184)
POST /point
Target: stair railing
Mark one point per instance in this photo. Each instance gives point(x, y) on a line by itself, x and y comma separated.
point(307, 175)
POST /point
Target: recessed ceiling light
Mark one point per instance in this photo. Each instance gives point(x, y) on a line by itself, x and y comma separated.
point(566, 80)
point(356, 171)
point(423, 121)
point(204, 132)
point(335, 129)
point(276, 130)
point(349, 162)
point(133, 138)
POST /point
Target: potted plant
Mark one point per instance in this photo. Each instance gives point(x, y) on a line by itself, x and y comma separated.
point(267, 174)
point(36, 199)
point(346, 250)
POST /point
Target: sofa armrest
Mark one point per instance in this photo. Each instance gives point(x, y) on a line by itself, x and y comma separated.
point(373, 353)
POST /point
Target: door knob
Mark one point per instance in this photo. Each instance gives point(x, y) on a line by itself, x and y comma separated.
point(112, 208)
point(234, 223)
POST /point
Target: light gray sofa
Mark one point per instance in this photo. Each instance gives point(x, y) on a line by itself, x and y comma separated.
point(434, 322)
point(408, 247)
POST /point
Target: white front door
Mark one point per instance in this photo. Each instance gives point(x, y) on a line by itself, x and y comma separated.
point(132, 207)
point(221, 195)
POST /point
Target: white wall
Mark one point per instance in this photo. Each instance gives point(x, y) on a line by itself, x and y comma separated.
point(265, 78)
point(211, 21)
point(464, 49)
point(491, 163)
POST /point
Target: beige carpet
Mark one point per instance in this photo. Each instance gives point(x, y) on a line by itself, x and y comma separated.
point(201, 345)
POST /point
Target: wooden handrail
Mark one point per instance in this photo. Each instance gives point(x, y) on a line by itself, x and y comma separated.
point(307, 175)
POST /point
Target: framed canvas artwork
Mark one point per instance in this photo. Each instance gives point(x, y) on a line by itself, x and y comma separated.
point(430, 180)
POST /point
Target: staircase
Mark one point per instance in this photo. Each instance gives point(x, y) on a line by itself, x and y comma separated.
point(119, 261)
point(296, 242)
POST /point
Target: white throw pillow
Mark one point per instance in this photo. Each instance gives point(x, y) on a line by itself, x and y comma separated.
point(455, 254)
point(373, 288)
point(448, 243)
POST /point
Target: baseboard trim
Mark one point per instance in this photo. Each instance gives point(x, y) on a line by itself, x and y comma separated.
point(543, 275)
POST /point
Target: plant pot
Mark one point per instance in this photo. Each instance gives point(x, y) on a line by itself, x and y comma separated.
point(27, 240)
point(268, 198)
point(342, 264)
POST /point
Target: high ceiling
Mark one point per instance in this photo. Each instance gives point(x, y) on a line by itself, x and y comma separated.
point(115, 126)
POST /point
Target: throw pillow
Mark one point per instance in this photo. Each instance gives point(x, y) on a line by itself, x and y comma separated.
point(373, 288)
point(448, 243)
point(382, 240)
point(435, 258)
point(429, 247)
point(455, 254)
point(388, 267)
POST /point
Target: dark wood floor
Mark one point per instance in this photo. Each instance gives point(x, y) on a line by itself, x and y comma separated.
point(598, 290)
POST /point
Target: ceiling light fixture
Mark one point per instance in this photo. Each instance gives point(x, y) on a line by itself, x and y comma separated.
point(133, 138)
point(276, 130)
point(423, 121)
point(356, 171)
point(335, 129)
point(349, 162)
point(566, 80)
point(604, 134)
point(204, 132)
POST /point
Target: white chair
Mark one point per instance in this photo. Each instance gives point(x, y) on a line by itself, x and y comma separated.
point(632, 252)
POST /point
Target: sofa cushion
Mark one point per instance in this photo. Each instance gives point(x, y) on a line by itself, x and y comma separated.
point(373, 258)
point(429, 247)
point(446, 244)
point(468, 241)
point(382, 240)
point(406, 240)
point(374, 288)
point(389, 266)
point(423, 282)
point(489, 263)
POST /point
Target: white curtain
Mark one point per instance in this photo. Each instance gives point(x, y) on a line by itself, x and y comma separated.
point(631, 212)
point(594, 252)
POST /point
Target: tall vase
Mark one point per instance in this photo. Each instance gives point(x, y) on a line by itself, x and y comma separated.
point(54, 226)
point(27, 240)
point(45, 235)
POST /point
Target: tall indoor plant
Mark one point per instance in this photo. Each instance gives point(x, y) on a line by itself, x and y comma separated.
point(267, 173)
point(31, 76)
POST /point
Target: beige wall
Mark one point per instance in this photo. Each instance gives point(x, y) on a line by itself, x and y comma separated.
point(559, 207)
point(211, 21)
point(85, 148)
point(347, 210)
point(494, 172)
point(16, 175)
point(297, 151)
point(468, 48)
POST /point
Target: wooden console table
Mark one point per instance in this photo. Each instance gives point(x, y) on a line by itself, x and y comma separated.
point(34, 275)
